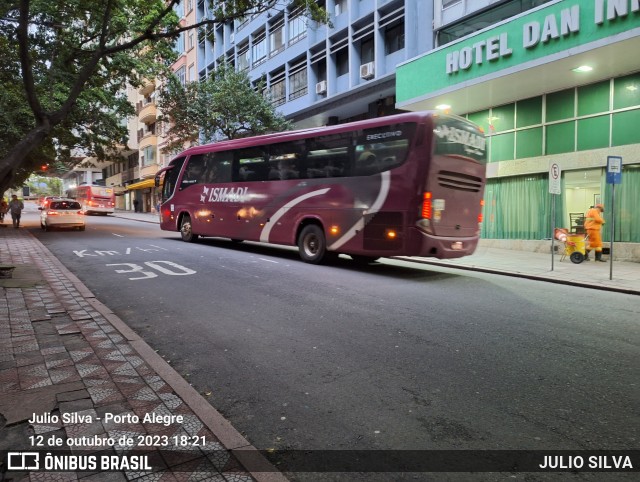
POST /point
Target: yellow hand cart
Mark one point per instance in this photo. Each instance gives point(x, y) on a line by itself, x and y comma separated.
point(575, 245)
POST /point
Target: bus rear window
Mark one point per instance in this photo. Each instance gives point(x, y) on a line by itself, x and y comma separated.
point(459, 137)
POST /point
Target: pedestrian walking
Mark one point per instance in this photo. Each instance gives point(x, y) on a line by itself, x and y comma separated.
point(135, 205)
point(4, 208)
point(593, 222)
point(16, 206)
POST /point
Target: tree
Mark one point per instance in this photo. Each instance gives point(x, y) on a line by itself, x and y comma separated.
point(64, 67)
point(223, 106)
point(44, 186)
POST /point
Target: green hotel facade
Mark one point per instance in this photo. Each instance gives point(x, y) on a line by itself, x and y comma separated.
point(557, 84)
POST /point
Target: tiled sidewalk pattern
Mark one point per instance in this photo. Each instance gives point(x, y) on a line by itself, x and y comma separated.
point(52, 335)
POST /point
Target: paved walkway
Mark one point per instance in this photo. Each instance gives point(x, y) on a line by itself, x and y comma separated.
point(625, 276)
point(83, 377)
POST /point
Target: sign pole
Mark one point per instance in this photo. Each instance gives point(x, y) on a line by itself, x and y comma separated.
point(613, 224)
point(553, 228)
point(554, 188)
point(614, 176)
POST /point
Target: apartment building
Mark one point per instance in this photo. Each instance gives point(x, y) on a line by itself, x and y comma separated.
point(145, 153)
point(550, 82)
point(315, 74)
point(319, 74)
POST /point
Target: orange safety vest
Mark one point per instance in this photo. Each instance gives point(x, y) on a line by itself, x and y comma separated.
point(593, 219)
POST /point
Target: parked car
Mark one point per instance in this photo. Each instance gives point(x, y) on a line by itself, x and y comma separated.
point(64, 213)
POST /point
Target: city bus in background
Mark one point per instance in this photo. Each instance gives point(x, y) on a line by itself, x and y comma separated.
point(93, 198)
point(405, 185)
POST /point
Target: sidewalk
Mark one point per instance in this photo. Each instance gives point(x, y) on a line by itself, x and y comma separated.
point(87, 379)
point(523, 264)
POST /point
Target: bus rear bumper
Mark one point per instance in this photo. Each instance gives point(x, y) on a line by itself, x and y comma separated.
point(441, 247)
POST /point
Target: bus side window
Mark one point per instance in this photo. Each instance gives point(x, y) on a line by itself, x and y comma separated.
point(252, 165)
point(380, 150)
point(285, 160)
point(217, 167)
point(194, 172)
point(328, 156)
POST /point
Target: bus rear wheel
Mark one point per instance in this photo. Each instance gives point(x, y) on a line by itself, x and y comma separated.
point(312, 244)
point(186, 230)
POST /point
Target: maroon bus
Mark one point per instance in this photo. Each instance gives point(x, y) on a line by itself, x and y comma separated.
point(409, 184)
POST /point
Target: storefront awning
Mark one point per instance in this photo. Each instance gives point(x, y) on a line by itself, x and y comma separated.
point(142, 184)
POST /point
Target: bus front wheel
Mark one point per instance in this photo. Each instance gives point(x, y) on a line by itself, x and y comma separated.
point(186, 230)
point(312, 244)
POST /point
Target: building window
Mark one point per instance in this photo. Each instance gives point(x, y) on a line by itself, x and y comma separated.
point(394, 39)
point(149, 156)
point(341, 7)
point(192, 73)
point(298, 83)
point(276, 39)
point(243, 57)
point(497, 12)
point(178, 47)
point(342, 62)
point(278, 93)
point(297, 29)
point(191, 40)
point(259, 49)
point(179, 9)
point(366, 51)
point(181, 75)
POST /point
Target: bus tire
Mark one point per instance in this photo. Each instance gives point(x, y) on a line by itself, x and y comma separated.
point(312, 244)
point(186, 230)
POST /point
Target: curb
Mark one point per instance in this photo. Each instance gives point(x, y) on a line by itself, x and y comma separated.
point(228, 436)
point(517, 274)
point(117, 215)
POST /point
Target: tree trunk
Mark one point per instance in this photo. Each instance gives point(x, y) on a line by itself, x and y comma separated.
point(21, 150)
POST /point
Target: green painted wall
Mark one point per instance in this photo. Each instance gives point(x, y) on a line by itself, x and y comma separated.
point(427, 74)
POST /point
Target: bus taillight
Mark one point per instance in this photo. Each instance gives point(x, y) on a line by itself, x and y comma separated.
point(481, 207)
point(426, 205)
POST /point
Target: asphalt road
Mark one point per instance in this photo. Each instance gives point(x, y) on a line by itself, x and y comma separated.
point(394, 355)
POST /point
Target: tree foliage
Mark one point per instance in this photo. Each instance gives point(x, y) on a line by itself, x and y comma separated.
point(223, 106)
point(65, 65)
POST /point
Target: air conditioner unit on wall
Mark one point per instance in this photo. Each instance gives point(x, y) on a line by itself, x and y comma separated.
point(321, 87)
point(367, 70)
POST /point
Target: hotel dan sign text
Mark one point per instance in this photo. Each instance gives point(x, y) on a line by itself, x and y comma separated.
point(536, 33)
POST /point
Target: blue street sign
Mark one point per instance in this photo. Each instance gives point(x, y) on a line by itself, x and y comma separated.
point(614, 170)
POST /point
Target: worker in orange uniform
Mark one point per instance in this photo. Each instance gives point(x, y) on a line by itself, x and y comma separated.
point(593, 222)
